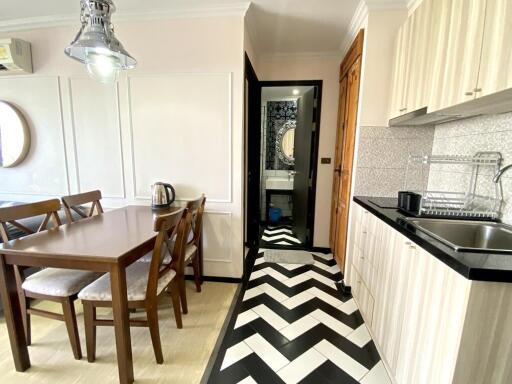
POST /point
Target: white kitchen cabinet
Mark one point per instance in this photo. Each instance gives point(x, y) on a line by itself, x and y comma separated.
point(398, 103)
point(430, 323)
point(495, 72)
point(433, 318)
point(460, 54)
point(418, 78)
point(450, 52)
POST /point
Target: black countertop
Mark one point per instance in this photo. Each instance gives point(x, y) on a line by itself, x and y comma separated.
point(471, 265)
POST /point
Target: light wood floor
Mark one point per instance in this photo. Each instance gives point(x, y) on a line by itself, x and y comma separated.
point(186, 351)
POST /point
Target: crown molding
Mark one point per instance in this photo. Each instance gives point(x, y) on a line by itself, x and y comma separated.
point(413, 4)
point(280, 55)
point(356, 23)
point(73, 19)
point(387, 5)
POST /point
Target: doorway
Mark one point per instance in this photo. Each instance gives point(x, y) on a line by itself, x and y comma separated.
point(287, 152)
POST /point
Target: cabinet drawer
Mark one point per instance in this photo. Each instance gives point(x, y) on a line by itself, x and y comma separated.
point(362, 296)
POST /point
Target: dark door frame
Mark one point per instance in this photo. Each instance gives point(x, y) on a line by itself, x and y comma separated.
point(255, 201)
point(252, 144)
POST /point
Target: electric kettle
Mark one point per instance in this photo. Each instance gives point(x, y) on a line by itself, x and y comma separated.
point(162, 195)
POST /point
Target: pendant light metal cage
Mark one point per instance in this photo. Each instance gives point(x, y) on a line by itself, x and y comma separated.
point(96, 36)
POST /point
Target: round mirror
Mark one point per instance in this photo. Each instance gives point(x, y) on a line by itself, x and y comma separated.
point(285, 142)
point(14, 136)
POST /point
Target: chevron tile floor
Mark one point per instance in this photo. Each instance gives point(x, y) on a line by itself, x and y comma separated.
point(293, 326)
point(279, 235)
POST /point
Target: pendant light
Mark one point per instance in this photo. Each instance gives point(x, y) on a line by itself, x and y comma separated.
point(96, 46)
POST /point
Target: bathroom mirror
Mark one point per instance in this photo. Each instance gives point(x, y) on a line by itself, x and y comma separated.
point(14, 136)
point(285, 142)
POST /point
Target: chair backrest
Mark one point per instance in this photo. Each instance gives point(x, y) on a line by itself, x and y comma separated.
point(196, 208)
point(172, 225)
point(75, 203)
point(11, 215)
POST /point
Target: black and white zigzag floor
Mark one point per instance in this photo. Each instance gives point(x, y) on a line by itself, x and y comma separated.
point(279, 235)
point(293, 326)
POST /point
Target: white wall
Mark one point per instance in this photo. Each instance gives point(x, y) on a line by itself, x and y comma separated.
point(176, 118)
point(324, 68)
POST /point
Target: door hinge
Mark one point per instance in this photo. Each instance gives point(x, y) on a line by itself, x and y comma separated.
point(313, 127)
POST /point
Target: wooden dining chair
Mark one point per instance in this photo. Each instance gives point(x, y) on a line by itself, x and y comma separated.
point(145, 282)
point(194, 249)
point(51, 284)
point(76, 203)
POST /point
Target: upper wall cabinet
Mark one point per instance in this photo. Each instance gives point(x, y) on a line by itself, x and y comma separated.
point(452, 51)
point(400, 67)
point(459, 54)
point(496, 64)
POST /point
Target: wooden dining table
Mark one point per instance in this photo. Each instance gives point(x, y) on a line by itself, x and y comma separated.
point(104, 243)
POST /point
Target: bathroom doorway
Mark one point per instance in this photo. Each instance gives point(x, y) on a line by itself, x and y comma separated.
point(288, 150)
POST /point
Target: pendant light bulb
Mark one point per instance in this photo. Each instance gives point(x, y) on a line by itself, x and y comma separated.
point(103, 68)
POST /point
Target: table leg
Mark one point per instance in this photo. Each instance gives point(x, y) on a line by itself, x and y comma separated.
point(13, 317)
point(121, 324)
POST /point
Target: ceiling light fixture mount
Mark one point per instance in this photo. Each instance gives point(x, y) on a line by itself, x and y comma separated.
point(96, 46)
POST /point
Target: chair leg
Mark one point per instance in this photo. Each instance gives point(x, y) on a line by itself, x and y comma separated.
point(175, 296)
point(154, 329)
point(68, 308)
point(197, 272)
point(183, 294)
point(90, 330)
point(200, 259)
point(24, 305)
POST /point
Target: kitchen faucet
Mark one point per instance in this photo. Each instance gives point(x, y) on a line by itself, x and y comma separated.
point(498, 175)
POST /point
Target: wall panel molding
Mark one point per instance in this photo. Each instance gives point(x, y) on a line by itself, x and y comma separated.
point(30, 119)
point(119, 143)
point(229, 114)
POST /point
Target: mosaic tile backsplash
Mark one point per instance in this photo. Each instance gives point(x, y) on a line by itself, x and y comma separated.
point(382, 159)
point(466, 137)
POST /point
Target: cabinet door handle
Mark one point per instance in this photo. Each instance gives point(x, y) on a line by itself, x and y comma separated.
point(469, 93)
point(477, 90)
point(402, 110)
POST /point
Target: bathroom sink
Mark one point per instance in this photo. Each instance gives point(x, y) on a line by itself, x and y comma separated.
point(279, 183)
point(467, 236)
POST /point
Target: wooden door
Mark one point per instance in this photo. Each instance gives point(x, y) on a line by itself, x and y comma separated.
point(347, 122)
point(336, 184)
point(302, 150)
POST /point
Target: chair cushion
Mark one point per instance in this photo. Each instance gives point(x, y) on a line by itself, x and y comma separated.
point(189, 251)
point(136, 281)
point(58, 282)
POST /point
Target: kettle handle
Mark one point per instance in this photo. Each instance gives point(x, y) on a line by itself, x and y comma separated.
point(172, 196)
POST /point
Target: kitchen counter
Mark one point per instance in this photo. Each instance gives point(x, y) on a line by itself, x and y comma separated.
point(472, 265)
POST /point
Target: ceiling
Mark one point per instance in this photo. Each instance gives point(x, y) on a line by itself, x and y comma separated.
point(275, 26)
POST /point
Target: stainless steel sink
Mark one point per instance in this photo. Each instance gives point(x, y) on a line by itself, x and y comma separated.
point(467, 236)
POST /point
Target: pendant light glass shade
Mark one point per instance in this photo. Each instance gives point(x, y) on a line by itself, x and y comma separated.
point(96, 46)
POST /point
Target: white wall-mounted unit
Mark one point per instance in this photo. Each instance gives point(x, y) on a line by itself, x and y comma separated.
point(15, 57)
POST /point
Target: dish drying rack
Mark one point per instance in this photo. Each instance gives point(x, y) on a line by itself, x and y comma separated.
point(463, 204)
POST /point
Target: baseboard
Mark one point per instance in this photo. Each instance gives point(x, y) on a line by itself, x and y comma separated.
point(217, 279)
point(321, 249)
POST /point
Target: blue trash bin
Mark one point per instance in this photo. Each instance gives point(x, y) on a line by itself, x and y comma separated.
point(274, 214)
